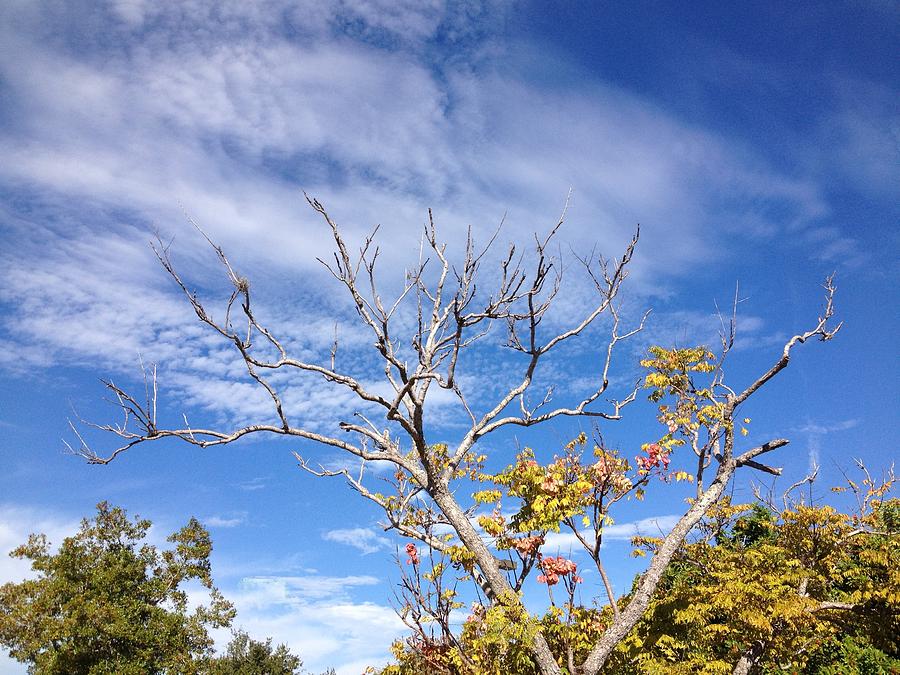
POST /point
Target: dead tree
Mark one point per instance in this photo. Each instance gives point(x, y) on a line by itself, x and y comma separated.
point(451, 314)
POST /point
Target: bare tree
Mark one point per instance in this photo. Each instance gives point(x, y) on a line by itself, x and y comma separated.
point(451, 315)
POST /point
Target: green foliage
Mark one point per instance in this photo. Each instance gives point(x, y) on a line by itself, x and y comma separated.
point(756, 526)
point(108, 602)
point(245, 656)
point(850, 655)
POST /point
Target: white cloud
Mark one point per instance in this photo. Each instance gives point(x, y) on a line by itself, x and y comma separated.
point(16, 524)
point(230, 128)
point(648, 527)
point(338, 461)
point(692, 327)
point(828, 427)
point(10, 667)
point(253, 484)
point(317, 618)
point(263, 590)
point(815, 432)
point(362, 538)
point(225, 521)
point(859, 140)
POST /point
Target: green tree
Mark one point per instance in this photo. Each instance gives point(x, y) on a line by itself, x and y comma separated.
point(108, 602)
point(246, 656)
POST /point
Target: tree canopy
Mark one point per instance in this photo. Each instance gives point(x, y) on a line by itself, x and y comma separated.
point(246, 656)
point(804, 589)
point(108, 602)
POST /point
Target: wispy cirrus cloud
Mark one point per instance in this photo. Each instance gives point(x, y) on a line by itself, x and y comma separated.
point(232, 520)
point(646, 527)
point(827, 427)
point(364, 539)
point(816, 431)
point(230, 122)
point(253, 484)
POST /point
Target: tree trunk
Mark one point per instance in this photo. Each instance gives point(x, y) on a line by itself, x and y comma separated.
point(487, 563)
point(650, 580)
point(748, 659)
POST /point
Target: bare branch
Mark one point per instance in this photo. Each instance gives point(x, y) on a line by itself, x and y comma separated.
point(820, 330)
point(749, 455)
point(808, 479)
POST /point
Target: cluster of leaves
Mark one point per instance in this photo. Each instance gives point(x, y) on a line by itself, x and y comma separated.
point(107, 602)
point(494, 640)
point(838, 656)
point(797, 591)
point(686, 408)
point(568, 492)
point(246, 656)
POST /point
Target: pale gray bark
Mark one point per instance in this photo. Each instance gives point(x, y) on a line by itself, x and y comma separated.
point(640, 600)
point(749, 659)
point(497, 581)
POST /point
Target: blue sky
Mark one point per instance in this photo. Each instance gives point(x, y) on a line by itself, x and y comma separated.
point(755, 145)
